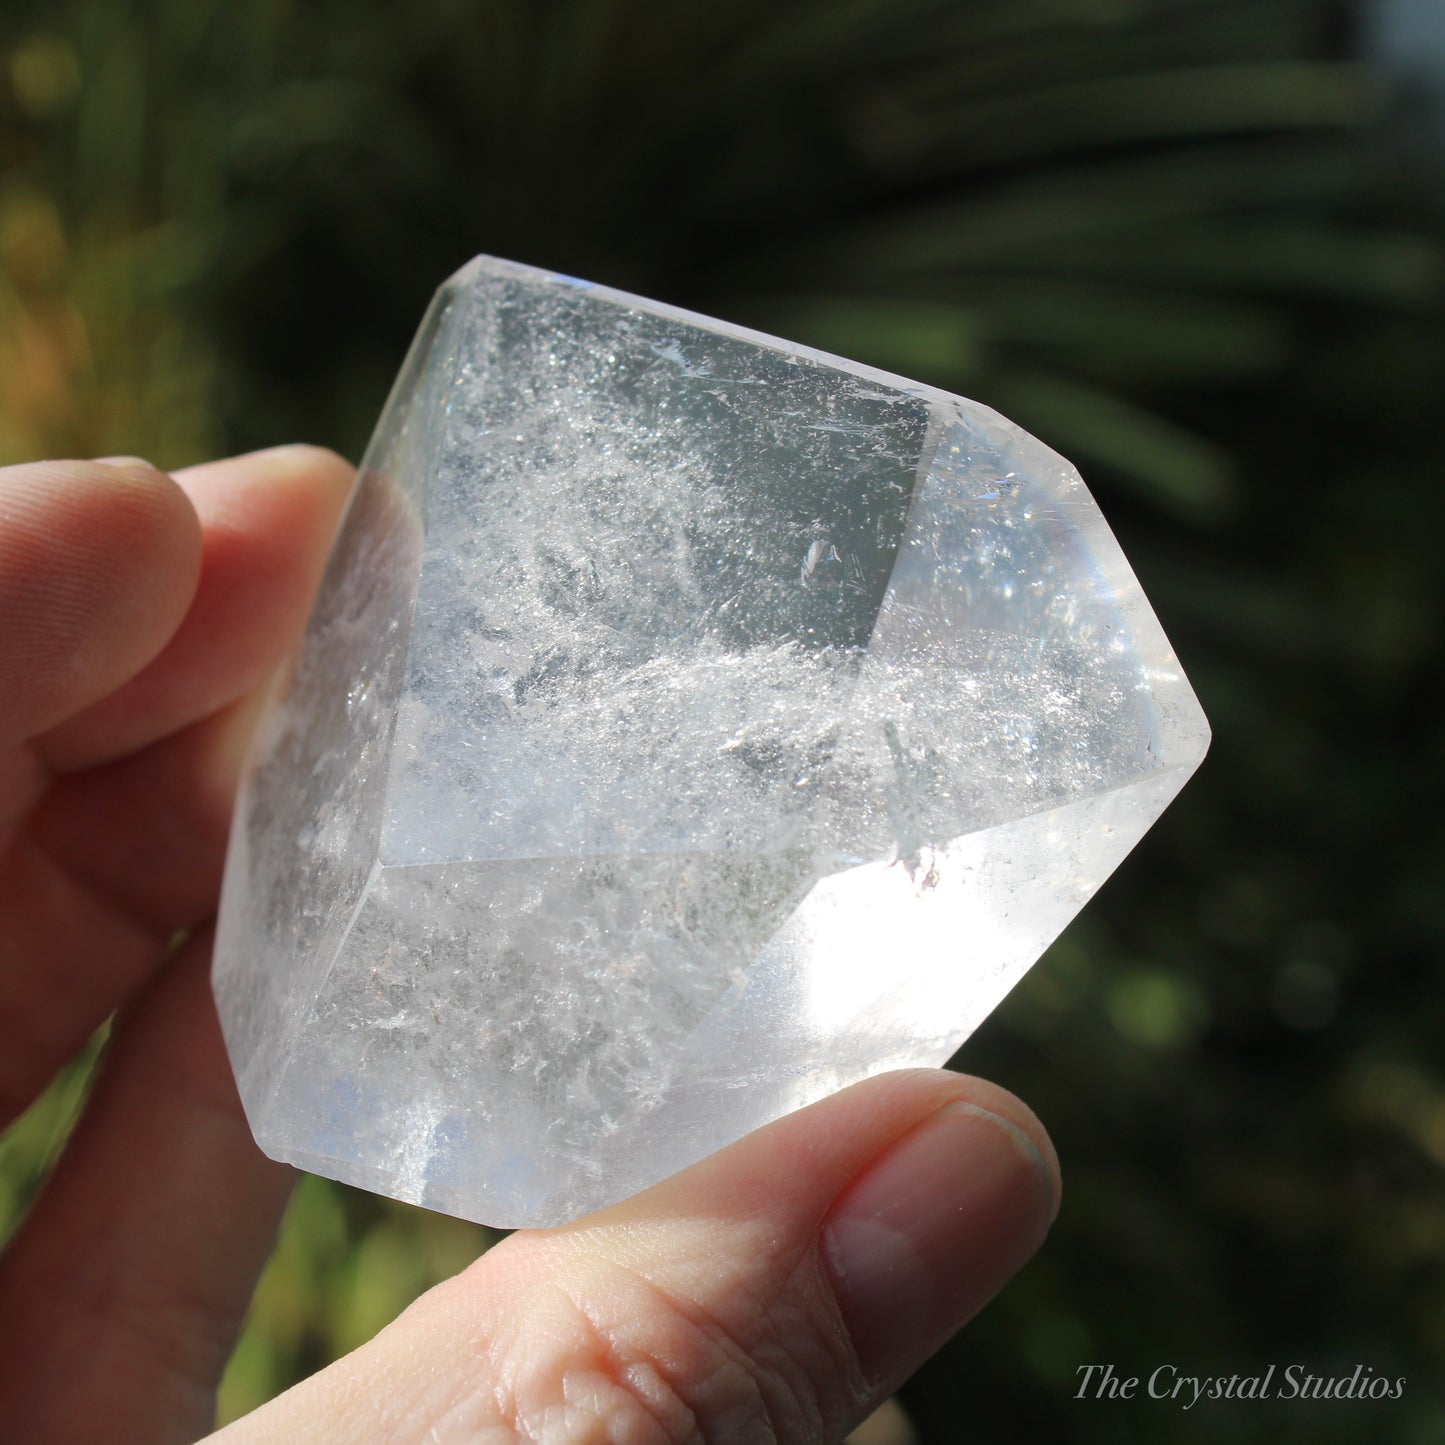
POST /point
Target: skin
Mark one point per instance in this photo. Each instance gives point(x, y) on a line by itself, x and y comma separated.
point(778, 1291)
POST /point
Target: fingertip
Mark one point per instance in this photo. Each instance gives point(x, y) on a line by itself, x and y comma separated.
point(98, 563)
point(930, 1231)
point(921, 1192)
point(799, 1163)
point(317, 474)
point(1030, 1133)
point(267, 520)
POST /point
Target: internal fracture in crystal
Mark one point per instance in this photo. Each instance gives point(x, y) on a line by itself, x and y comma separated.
point(690, 724)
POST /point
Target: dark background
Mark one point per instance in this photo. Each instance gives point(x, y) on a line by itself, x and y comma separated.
point(1195, 245)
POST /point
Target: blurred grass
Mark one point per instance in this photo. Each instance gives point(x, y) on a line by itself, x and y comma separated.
point(345, 1266)
point(1177, 239)
point(33, 1143)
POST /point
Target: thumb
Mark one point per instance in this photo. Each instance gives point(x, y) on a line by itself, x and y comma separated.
point(778, 1291)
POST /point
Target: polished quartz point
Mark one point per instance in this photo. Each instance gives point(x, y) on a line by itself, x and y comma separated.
point(689, 724)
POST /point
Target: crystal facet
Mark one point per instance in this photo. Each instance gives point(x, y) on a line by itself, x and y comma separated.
point(689, 724)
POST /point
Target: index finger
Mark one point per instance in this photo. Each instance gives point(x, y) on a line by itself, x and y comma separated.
point(98, 565)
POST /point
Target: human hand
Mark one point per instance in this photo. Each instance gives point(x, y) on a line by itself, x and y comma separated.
point(775, 1292)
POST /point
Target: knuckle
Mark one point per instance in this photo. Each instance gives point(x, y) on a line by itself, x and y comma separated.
point(634, 1364)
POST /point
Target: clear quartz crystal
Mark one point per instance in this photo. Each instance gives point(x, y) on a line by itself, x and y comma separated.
point(690, 724)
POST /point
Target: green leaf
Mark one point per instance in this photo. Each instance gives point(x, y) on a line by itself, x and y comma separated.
point(1184, 103)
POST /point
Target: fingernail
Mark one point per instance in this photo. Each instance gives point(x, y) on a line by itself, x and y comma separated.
point(283, 450)
point(931, 1231)
point(125, 462)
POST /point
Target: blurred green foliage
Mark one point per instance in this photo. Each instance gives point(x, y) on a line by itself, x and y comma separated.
point(1175, 238)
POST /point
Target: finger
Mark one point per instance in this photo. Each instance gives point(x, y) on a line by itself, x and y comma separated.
point(122, 1294)
point(97, 567)
point(777, 1291)
point(117, 857)
point(148, 832)
point(267, 521)
point(110, 865)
